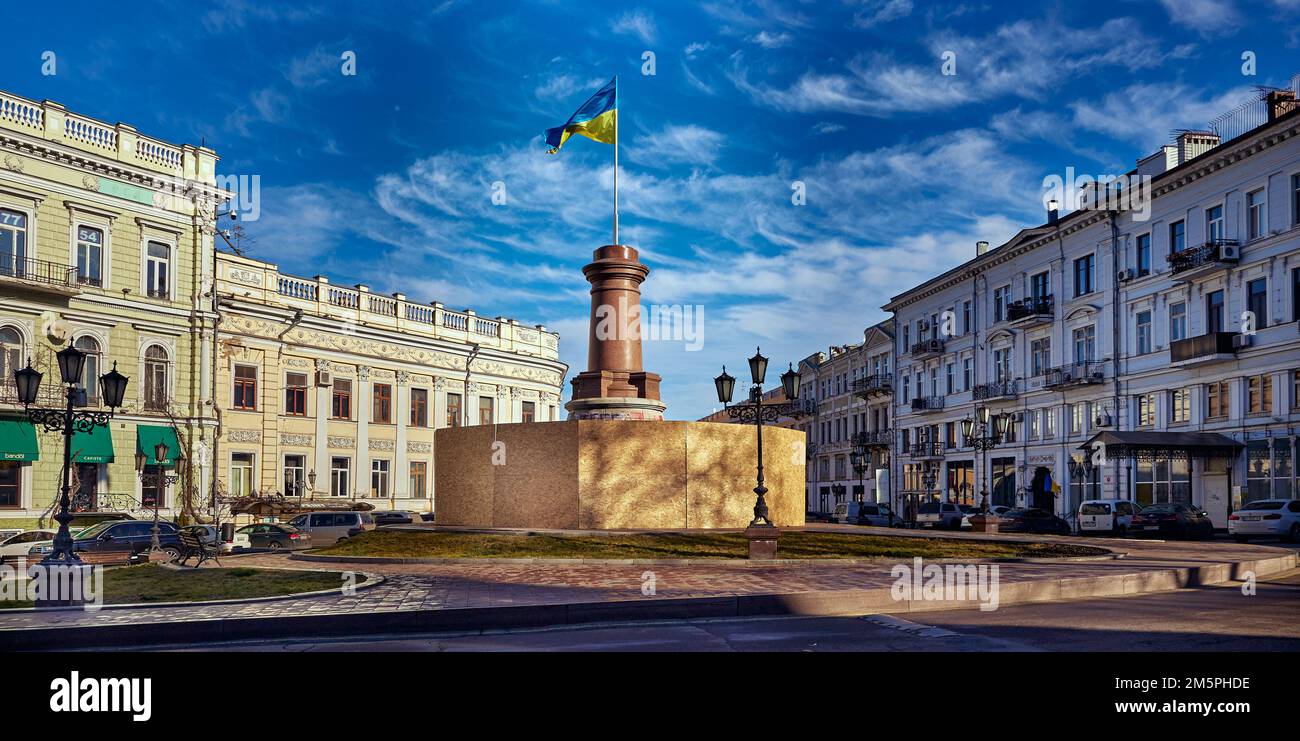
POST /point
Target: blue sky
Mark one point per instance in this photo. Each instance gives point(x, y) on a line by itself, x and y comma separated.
point(385, 177)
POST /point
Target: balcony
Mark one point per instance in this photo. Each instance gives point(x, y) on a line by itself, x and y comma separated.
point(874, 439)
point(995, 391)
point(1208, 348)
point(927, 348)
point(1031, 311)
point(1074, 374)
point(49, 394)
point(879, 384)
point(925, 451)
point(1210, 257)
point(927, 404)
point(39, 275)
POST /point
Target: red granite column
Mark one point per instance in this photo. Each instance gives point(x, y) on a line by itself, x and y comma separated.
point(615, 386)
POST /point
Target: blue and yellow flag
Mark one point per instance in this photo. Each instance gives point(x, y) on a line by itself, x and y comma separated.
point(597, 119)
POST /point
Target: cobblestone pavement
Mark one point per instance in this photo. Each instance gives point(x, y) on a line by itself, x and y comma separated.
point(451, 586)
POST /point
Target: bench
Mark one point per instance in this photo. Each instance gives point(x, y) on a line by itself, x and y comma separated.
point(192, 546)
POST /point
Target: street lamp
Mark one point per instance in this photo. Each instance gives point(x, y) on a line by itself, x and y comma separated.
point(984, 431)
point(158, 481)
point(858, 457)
point(756, 412)
point(68, 421)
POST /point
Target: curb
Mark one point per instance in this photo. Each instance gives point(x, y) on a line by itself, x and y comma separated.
point(486, 619)
point(728, 562)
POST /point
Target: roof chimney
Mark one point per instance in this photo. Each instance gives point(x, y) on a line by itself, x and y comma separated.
point(1280, 103)
point(1193, 144)
point(981, 247)
point(1053, 211)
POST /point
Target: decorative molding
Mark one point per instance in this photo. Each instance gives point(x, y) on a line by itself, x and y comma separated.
point(245, 436)
point(383, 446)
point(14, 162)
point(296, 439)
point(416, 447)
point(90, 182)
point(247, 277)
point(340, 442)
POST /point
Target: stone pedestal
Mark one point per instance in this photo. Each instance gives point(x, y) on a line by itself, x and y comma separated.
point(984, 523)
point(615, 386)
point(762, 541)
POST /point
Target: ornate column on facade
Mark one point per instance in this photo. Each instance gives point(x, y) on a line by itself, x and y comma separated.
point(615, 386)
point(363, 402)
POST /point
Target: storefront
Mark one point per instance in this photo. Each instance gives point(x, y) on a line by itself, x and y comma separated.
point(18, 449)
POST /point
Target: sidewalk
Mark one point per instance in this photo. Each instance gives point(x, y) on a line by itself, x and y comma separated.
point(483, 595)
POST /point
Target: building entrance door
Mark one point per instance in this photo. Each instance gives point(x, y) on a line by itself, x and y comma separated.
point(1214, 497)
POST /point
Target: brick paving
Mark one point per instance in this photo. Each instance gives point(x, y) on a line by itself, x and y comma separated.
point(452, 586)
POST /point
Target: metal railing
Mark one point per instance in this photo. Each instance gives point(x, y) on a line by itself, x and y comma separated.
point(1075, 373)
point(996, 390)
point(1210, 253)
point(926, 347)
point(38, 271)
point(927, 403)
point(874, 438)
point(877, 383)
point(1042, 306)
point(1206, 345)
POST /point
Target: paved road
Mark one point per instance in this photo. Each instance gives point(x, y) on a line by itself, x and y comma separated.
point(1219, 618)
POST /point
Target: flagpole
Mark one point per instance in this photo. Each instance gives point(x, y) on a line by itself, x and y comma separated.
point(616, 115)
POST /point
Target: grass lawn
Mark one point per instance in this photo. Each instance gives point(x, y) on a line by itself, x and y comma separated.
point(405, 544)
point(153, 583)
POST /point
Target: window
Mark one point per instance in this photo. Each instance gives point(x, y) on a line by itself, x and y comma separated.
point(11, 355)
point(1257, 301)
point(1002, 365)
point(11, 481)
point(1177, 321)
point(295, 475)
point(1085, 344)
point(419, 479)
point(934, 381)
point(1269, 477)
point(1049, 423)
point(340, 477)
point(90, 255)
point(952, 378)
point(1214, 224)
point(1255, 219)
point(295, 394)
point(453, 410)
point(967, 373)
point(1216, 399)
point(485, 410)
point(1214, 311)
point(419, 408)
point(528, 411)
point(1177, 236)
point(950, 435)
point(245, 393)
point(965, 317)
point(1146, 410)
point(1143, 332)
point(341, 399)
point(1001, 299)
point(1078, 417)
point(13, 243)
point(1295, 199)
point(1040, 355)
point(1295, 389)
point(1180, 406)
point(1143, 262)
point(1040, 285)
point(1083, 274)
point(1035, 425)
point(1162, 481)
point(906, 387)
point(153, 493)
point(379, 478)
point(155, 378)
point(241, 474)
point(157, 263)
point(1259, 394)
point(1295, 294)
point(90, 371)
point(382, 404)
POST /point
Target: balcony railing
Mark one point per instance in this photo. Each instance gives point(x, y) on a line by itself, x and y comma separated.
point(874, 439)
point(926, 450)
point(1216, 253)
point(1031, 309)
point(927, 404)
point(1075, 374)
point(49, 394)
point(927, 347)
point(155, 403)
point(39, 273)
point(876, 384)
point(1204, 349)
point(996, 390)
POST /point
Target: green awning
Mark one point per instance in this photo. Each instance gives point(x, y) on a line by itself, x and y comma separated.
point(18, 441)
point(95, 446)
point(147, 438)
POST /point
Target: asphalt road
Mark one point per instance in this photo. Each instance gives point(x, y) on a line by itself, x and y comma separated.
point(1219, 618)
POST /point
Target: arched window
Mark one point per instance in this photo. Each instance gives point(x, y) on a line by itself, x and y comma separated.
point(13, 243)
point(11, 358)
point(90, 371)
point(155, 378)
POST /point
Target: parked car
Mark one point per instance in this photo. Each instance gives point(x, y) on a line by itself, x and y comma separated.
point(877, 514)
point(1266, 518)
point(945, 515)
point(17, 546)
point(1032, 520)
point(1000, 509)
point(1111, 516)
point(210, 536)
point(128, 539)
point(811, 516)
point(276, 536)
point(396, 517)
point(426, 516)
point(853, 512)
point(1173, 520)
point(328, 528)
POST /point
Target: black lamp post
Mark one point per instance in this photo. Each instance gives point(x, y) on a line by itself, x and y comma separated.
point(158, 482)
point(858, 459)
point(983, 432)
point(68, 420)
point(1082, 468)
point(757, 412)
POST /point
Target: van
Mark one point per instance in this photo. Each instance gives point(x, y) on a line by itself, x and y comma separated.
point(1111, 516)
point(940, 515)
point(328, 528)
point(864, 513)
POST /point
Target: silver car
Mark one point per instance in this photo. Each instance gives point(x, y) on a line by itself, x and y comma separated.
point(328, 528)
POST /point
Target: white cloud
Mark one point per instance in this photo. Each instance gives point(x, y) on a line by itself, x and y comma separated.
point(1209, 17)
point(676, 145)
point(636, 23)
point(1146, 113)
point(875, 12)
point(565, 86)
point(771, 40)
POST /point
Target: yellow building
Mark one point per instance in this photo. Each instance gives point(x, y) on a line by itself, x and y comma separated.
point(329, 392)
point(105, 243)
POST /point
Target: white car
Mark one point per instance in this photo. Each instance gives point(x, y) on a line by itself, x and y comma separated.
point(945, 515)
point(1266, 518)
point(17, 546)
point(240, 541)
point(1111, 516)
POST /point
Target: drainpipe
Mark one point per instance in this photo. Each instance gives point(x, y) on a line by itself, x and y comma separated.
point(1116, 348)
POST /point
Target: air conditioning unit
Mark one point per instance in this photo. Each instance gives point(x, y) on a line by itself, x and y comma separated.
point(1241, 341)
point(936, 345)
point(1126, 276)
point(923, 325)
point(1229, 253)
point(1103, 420)
point(324, 378)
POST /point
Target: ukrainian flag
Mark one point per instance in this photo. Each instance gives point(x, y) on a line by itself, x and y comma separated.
point(597, 119)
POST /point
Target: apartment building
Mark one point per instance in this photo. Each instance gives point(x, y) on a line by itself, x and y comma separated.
point(334, 392)
point(1146, 354)
point(106, 245)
